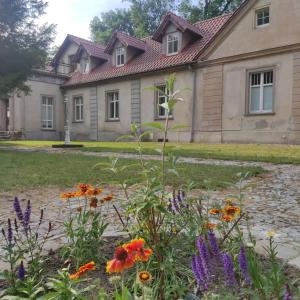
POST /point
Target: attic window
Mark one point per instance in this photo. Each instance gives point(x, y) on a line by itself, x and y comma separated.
point(172, 43)
point(263, 17)
point(120, 57)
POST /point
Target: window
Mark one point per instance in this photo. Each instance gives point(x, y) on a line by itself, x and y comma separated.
point(263, 16)
point(84, 65)
point(78, 108)
point(261, 92)
point(172, 43)
point(113, 106)
point(120, 56)
point(161, 98)
point(47, 112)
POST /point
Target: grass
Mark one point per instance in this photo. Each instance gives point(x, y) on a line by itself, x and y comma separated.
point(289, 154)
point(23, 170)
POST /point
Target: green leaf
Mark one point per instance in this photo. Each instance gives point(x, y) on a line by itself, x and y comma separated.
point(126, 136)
point(175, 127)
point(154, 125)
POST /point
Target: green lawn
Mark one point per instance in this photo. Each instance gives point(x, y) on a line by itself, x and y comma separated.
point(248, 152)
point(22, 170)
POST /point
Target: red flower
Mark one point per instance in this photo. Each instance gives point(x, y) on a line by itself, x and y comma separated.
point(122, 260)
point(136, 247)
point(83, 269)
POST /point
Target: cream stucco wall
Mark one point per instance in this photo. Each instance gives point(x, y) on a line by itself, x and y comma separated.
point(237, 126)
point(182, 111)
point(25, 112)
point(283, 30)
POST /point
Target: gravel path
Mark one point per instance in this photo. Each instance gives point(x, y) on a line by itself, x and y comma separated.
point(272, 200)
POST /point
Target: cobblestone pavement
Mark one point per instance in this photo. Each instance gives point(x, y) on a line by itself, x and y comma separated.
point(272, 201)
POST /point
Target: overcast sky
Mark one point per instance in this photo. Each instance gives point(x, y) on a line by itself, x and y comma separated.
point(74, 16)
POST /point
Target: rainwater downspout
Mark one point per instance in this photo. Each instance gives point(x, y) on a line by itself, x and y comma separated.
point(194, 98)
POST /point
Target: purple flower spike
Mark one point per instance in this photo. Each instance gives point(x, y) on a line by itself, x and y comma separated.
point(201, 245)
point(288, 294)
point(27, 215)
point(9, 232)
point(21, 271)
point(18, 209)
point(214, 245)
point(229, 270)
point(244, 265)
point(196, 272)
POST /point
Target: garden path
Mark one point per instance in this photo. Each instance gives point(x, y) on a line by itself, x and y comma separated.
point(272, 200)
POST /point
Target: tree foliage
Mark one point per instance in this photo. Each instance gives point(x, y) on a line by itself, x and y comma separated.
point(206, 9)
point(140, 20)
point(143, 16)
point(103, 27)
point(23, 44)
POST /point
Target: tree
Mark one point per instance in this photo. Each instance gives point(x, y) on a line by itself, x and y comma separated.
point(207, 8)
point(103, 27)
point(146, 15)
point(23, 44)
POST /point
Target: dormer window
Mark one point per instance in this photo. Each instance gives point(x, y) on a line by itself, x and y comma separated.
point(84, 65)
point(172, 43)
point(263, 17)
point(120, 56)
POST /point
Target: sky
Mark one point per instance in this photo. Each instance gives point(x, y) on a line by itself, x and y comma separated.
point(74, 16)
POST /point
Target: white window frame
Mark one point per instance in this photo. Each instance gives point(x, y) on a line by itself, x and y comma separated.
point(262, 10)
point(47, 123)
point(160, 98)
point(84, 64)
point(261, 87)
point(170, 43)
point(78, 107)
point(115, 101)
point(120, 56)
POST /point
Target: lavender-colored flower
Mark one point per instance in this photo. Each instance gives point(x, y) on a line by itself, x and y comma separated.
point(27, 215)
point(244, 265)
point(199, 271)
point(288, 294)
point(18, 209)
point(201, 245)
point(229, 270)
point(214, 245)
point(9, 232)
point(196, 272)
point(21, 271)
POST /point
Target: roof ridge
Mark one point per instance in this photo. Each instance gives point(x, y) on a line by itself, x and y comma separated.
point(85, 40)
point(213, 18)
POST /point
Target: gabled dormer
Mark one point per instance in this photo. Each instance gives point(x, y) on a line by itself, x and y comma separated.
point(124, 48)
point(89, 56)
point(175, 33)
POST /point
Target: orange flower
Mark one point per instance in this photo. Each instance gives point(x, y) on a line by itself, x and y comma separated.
point(214, 211)
point(144, 276)
point(227, 218)
point(136, 247)
point(108, 198)
point(122, 260)
point(232, 210)
point(93, 192)
point(67, 195)
point(94, 202)
point(83, 269)
point(210, 225)
point(84, 187)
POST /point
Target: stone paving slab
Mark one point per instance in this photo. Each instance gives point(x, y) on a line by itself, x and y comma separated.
point(272, 201)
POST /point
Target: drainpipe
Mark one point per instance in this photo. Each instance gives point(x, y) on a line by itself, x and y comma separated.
point(194, 98)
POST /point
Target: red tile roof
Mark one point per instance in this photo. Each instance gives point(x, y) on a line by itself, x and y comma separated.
point(182, 24)
point(126, 40)
point(153, 58)
point(93, 49)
